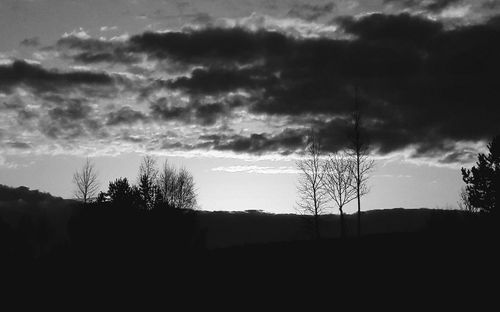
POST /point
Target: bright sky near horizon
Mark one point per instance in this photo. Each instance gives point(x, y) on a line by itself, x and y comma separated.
point(229, 89)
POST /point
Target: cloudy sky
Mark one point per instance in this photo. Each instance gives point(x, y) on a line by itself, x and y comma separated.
point(230, 88)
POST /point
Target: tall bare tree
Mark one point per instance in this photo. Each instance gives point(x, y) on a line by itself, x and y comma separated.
point(339, 182)
point(168, 183)
point(359, 149)
point(86, 182)
point(312, 195)
point(148, 173)
point(185, 190)
point(177, 187)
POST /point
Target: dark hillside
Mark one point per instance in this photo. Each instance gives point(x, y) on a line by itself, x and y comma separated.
point(38, 219)
point(42, 221)
point(224, 229)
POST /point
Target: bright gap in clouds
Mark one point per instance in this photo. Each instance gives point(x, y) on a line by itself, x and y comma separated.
point(236, 185)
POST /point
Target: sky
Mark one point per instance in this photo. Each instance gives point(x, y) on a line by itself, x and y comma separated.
point(230, 89)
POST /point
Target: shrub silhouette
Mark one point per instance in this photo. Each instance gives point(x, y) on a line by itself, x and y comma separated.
point(121, 194)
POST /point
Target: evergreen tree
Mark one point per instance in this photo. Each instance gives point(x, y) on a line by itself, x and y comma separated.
point(483, 180)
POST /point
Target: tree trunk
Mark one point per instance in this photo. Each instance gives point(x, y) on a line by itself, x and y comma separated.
point(357, 146)
point(342, 225)
point(359, 199)
point(316, 226)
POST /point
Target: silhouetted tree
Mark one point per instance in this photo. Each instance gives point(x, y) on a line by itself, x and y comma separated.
point(86, 182)
point(132, 225)
point(185, 190)
point(120, 193)
point(102, 198)
point(177, 188)
point(359, 149)
point(158, 200)
point(312, 194)
point(483, 180)
point(148, 174)
point(464, 202)
point(339, 182)
point(167, 182)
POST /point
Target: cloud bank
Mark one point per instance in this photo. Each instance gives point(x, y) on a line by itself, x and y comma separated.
point(422, 84)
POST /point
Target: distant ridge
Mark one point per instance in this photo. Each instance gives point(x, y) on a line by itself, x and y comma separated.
point(34, 212)
point(224, 228)
point(24, 193)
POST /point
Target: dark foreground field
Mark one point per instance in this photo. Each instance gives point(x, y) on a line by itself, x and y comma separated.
point(56, 248)
point(376, 271)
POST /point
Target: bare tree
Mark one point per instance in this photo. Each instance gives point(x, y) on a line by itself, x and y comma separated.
point(86, 182)
point(312, 195)
point(464, 202)
point(339, 182)
point(177, 187)
point(148, 174)
point(359, 149)
point(168, 182)
point(185, 190)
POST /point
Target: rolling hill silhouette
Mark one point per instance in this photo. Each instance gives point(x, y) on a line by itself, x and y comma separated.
point(402, 246)
point(45, 219)
point(225, 229)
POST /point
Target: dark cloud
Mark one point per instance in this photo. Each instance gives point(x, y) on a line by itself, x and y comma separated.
point(70, 131)
point(208, 114)
point(64, 118)
point(117, 56)
point(16, 104)
point(60, 126)
point(177, 146)
point(72, 109)
point(211, 45)
point(19, 145)
point(459, 157)
point(63, 97)
point(419, 83)
point(25, 114)
point(87, 44)
point(127, 137)
point(417, 80)
point(310, 12)
point(163, 109)
point(491, 4)
point(207, 46)
point(43, 80)
point(202, 19)
point(429, 5)
point(89, 50)
point(88, 57)
point(30, 42)
point(195, 112)
point(403, 28)
point(162, 15)
point(285, 142)
point(125, 115)
point(215, 80)
point(438, 5)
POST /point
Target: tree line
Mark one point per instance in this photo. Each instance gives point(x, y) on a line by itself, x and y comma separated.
point(150, 220)
point(169, 187)
point(331, 180)
point(335, 179)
